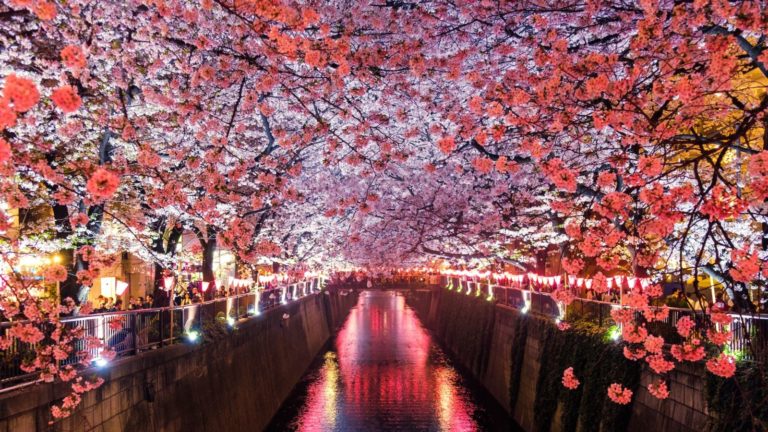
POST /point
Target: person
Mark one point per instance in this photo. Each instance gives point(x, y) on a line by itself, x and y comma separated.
point(720, 304)
point(118, 306)
point(148, 302)
point(615, 298)
point(679, 299)
point(196, 297)
point(100, 303)
point(185, 299)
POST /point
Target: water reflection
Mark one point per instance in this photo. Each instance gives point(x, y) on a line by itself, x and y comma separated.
point(385, 374)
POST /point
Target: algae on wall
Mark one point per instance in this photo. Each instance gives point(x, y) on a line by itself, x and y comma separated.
point(465, 324)
point(517, 356)
point(597, 363)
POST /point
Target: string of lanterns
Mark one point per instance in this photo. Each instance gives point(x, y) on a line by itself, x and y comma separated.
point(272, 277)
point(233, 282)
point(551, 281)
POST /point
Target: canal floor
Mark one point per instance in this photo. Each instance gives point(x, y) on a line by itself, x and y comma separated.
point(384, 372)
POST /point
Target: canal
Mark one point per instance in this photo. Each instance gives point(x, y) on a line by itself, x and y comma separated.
point(384, 372)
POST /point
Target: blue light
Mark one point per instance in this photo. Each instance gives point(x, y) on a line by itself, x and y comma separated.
point(193, 336)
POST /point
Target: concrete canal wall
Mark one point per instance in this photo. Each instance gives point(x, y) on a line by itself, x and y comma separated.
point(520, 359)
point(233, 383)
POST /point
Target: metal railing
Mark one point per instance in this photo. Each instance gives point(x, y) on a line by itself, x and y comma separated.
point(133, 331)
point(750, 332)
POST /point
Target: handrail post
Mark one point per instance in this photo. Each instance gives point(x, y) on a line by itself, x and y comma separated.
point(161, 326)
point(134, 334)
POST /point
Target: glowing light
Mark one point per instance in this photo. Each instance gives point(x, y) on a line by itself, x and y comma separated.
point(614, 333)
point(30, 261)
point(561, 309)
point(527, 300)
point(168, 282)
point(231, 321)
point(193, 336)
point(100, 362)
point(204, 286)
point(256, 310)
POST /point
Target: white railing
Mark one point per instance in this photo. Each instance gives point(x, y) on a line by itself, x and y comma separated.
point(144, 329)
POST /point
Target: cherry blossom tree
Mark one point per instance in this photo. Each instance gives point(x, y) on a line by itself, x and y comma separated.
point(628, 136)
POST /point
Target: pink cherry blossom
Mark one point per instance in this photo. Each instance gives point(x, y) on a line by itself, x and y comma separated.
point(722, 366)
point(659, 389)
point(569, 379)
point(618, 394)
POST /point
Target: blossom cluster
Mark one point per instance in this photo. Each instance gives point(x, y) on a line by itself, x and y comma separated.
point(569, 379)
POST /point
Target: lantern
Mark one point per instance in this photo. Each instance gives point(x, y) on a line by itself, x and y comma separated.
point(120, 287)
point(168, 282)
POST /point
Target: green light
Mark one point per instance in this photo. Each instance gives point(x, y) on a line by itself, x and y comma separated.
point(614, 333)
point(738, 355)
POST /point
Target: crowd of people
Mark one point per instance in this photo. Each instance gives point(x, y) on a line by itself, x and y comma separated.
point(383, 280)
point(109, 304)
point(191, 294)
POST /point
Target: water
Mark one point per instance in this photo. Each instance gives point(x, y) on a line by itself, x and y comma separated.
point(385, 373)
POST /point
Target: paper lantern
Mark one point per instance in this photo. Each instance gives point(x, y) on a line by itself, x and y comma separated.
point(631, 282)
point(120, 287)
point(204, 286)
point(168, 282)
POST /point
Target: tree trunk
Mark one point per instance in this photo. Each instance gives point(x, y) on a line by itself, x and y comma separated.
point(160, 247)
point(208, 253)
point(208, 242)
